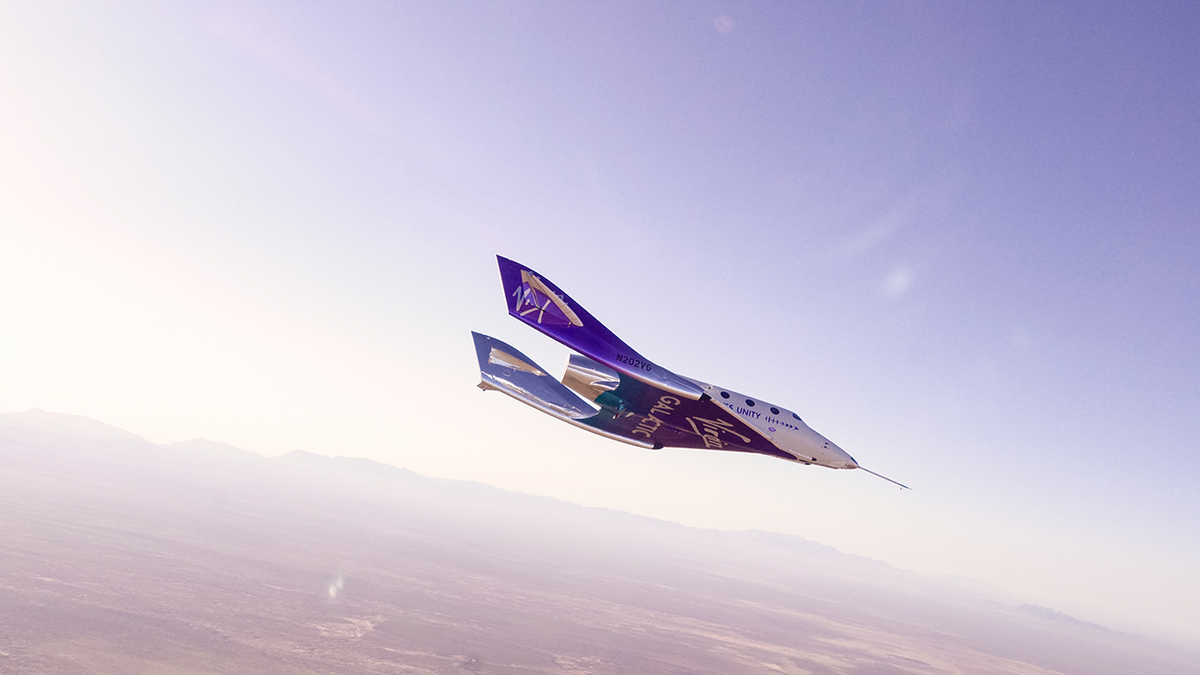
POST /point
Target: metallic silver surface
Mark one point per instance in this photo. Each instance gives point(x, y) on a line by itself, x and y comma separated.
point(502, 358)
point(667, 381)
point(503, 368)
point(589, 378)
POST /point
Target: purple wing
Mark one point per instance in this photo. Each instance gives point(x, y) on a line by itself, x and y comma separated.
point(625, 409)
point(535, 300)
point(649, 414)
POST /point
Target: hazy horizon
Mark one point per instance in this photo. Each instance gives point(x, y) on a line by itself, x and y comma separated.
point(126, 556)
point(57, 423)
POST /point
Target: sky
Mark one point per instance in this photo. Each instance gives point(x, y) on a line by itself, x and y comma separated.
point(961, 241)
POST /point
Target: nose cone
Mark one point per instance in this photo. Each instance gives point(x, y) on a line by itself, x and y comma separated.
point(838, 458)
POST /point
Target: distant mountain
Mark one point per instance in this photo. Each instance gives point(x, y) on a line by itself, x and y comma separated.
point(35, 419)
point(1054, 615)
point(359, 465)
point(205, 447)
point(202, 463)
point(125, 556)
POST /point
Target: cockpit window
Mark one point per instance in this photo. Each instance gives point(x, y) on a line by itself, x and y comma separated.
point(797, 416)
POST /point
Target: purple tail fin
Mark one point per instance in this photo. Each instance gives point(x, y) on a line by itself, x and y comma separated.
point(536, 301)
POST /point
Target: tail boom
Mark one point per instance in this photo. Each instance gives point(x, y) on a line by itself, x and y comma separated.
point(537, 302)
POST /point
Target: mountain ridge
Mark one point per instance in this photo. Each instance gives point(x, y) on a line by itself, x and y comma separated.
point(326, 538)
point(325, 468)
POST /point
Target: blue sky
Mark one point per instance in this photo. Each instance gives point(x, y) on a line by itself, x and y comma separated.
point(960, 240)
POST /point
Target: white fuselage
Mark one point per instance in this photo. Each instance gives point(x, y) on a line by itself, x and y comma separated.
point(784, 428)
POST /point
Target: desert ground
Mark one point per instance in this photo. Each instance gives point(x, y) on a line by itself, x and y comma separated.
point(119, 556)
